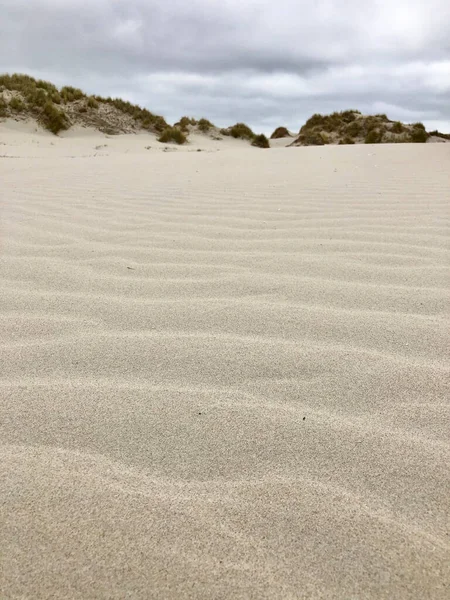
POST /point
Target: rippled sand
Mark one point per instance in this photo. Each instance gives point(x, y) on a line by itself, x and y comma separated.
point(224, 374)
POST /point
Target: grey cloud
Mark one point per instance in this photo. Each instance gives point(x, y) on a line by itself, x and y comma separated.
point(264, 61)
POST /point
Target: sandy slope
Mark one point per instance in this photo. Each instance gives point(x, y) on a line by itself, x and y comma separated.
point(224, 374)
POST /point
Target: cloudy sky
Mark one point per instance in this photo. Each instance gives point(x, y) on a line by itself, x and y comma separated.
point(265, 62)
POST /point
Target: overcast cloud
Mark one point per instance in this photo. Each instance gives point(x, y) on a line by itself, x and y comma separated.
point(265, 62)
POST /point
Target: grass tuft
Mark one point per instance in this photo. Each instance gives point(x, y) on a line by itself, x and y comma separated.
point(54, 119)
point(260, 141)
point(172, 134)
point(280, 132)
point(204, 125)
point(16, 104)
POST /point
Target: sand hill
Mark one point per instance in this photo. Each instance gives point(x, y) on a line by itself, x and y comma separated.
point(352, 127)
point(22, 98)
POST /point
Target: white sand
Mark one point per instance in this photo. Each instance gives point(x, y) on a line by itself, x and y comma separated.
point(224, 374)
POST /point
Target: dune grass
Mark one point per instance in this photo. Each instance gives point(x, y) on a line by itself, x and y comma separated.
point(260, 141)
point(172, 134)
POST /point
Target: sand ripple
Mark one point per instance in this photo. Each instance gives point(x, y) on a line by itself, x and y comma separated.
point(225, 375)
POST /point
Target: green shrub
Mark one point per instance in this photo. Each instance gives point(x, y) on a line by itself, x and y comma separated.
point(280, 132)
point(419, 126)
point(16, 104)
point(382, 117)
point(260, 141)
point(56, 98)
point(224, 131)
point(92, 102)
point(374, 136)
point(2, 107)
point(418, 135)
point(345, 141)
point(204, 125)
point(241, 130)
point(397, 127)
point(172, 134)
point(53, 119)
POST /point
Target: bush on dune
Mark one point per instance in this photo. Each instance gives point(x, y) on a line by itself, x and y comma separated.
point(260, 141)
point(53, 119)
point(397, 127)
point(92, 102)
point(16, 104)
point(69, 94)
point(241, 130)
point(373, 137)
point(280, 132)
point(184, 123)
point(172, 134)
point(204, 125)
point(418, 134)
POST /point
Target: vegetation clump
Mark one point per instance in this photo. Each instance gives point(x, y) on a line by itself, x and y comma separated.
point(418, 134)
point(397, 127)
point(172, 134)
point(184, 123)
point(16, 104)
point(54, 119)
point(204, 125)
point(280, 132)
point(69, 94)
point(374, 136)
point(240, 130)
point(92, 102)
point(260, 141)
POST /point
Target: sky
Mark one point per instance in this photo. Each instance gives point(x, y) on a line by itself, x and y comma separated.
point(264, 62)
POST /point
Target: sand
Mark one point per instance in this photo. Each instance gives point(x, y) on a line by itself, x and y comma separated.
point(224, 374)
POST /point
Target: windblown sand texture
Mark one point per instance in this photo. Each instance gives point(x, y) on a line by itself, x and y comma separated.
point(224, 374)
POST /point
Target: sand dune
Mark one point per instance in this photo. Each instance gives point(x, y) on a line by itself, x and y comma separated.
point(225, 374)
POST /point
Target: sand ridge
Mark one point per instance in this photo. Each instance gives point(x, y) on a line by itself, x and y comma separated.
point(225, 374)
